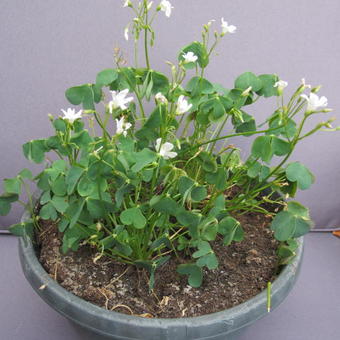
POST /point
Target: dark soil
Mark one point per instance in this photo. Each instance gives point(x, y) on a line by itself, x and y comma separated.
point(245, 268)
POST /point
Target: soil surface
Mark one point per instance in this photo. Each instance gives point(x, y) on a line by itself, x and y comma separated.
point(244, 270)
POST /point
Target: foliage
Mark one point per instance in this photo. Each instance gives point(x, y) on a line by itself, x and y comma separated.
point(158, 186)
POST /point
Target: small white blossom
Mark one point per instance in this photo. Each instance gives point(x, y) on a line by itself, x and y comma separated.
point(227, 28)
point(160, 98)
point(210, 22)
point(182, 106)
point(303, 83)
point(190, 57)
point(314, 102)
point(126, 33)
point(126, 3)
point(119, 100)
point(165, 149)
point(71, 115)
point(281, 84)
point(122, 126)
point(166, 7)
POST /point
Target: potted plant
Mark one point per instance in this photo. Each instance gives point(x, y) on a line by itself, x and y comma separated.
point(163, 190)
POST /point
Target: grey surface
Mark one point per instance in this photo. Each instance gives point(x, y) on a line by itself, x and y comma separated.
point(48, 46)
point(310, 312)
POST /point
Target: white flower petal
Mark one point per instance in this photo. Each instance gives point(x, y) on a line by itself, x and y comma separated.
point(166, 7)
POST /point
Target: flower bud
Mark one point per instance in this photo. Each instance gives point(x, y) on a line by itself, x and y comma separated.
point(246, 92)
point(327, 110)
point(316, 89)
point(50, 117)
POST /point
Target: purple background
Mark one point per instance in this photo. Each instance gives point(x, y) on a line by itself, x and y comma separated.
point(48, 46)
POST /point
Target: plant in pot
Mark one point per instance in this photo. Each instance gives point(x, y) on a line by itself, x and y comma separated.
point(148, 189)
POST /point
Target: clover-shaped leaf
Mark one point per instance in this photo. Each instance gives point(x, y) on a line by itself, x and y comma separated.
point(297, 172)
point(194, 272)
point(133, 216)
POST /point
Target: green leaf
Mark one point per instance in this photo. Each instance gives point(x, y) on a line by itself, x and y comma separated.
point(199, 50)
point(199, 193)
point(86, 187)
point(208, 162)
point(286, 225)
point(126, 79)
point(25, 173)
point(12, 185)
point(209, 260)
point(35, 150)
point(60, 125)
point(165, 205)
point(82, 139)
point(248, 79)
point(296, 172)
point(262, 148)
point(58, 187)
point(150, 130)
point(185, 184)
point(48, 212)
point(254, 170)
point(197, 86)
point(81, 95)
point(144, 158)
point(244, 122)
point(268, 81)
point(22, 229)
point(280, 146)
point(98, 208)
point(228, 227)
point(5, 202)
point(219, 179)
point(74, 211)
point(194, 272)
point(133, 216)
point(60, 203)
point(160, 82)
point(72, 178)
point(72, 238)
point(45, 197)
point(204, 248)
point(121, 192)
point(106, 77)
point(298, 209)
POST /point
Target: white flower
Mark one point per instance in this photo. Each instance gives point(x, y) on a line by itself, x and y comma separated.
point(281, 84)
point(126, 33)
point(126, 3)
point(119, 100)
point(227, 28)
point(182, 106)
point(160, 98)
point(165, 149)
point(314, 102)
point(71, 115)
point(122, 126)
point(190, 57)
point(303, 83)
point(166, 7)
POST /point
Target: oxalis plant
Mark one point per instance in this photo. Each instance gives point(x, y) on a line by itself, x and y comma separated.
point(156, 184)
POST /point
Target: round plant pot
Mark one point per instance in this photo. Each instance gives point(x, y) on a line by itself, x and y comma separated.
point(224, 325)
